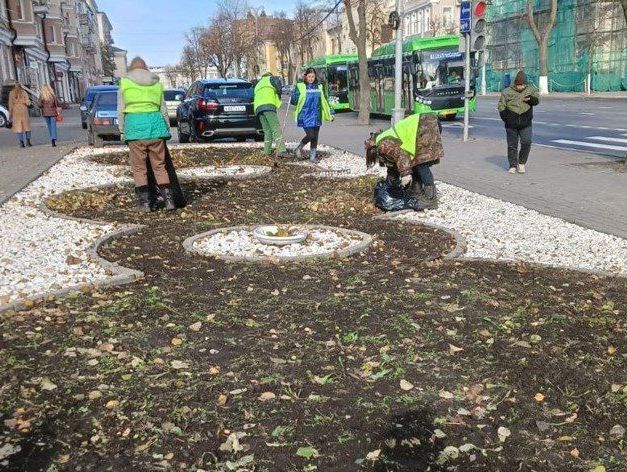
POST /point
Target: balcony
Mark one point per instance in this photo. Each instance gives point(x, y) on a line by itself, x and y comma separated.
point(40, 7)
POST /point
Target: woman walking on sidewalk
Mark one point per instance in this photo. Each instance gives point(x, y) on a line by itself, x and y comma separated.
point(312, 108)
point(516, 110)
point(18, 114)
point(143, 120)
point(267, 101)
point(48, 104)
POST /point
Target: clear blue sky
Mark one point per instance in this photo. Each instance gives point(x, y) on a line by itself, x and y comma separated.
point(155, 29)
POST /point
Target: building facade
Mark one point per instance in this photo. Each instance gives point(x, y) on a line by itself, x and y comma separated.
point(53, 42)
point(587, 44)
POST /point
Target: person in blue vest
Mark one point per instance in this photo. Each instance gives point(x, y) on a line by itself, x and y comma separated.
point(312, 108)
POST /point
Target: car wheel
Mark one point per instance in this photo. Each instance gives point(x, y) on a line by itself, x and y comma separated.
point(98, 141)
point(450, 117)
point(183, 138)
point(3, 120)
point(259, 137)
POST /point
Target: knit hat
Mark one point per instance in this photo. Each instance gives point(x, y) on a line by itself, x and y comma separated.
point(521, 78)
point(137, 63)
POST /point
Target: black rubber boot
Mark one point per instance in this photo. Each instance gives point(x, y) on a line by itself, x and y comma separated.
point(168, 198)
point(143, 199)
point(54, 143)
point(429, 199)
point(28, 142)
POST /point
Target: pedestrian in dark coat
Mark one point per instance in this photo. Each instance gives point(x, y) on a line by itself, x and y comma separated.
point(312, 108)
point(516, 109)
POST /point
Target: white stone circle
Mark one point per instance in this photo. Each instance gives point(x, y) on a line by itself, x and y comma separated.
point(238, 243)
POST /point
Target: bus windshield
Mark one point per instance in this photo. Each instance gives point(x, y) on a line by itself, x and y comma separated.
point(337, 78)
point(440, 68)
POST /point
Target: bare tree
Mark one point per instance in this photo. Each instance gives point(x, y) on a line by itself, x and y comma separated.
point(306, 34)
point(596, 34)
point(188, 64)
point(376, 28)
point(197, 51)
point(542, 38)
point(232, 13)
point(358, 33)
point(172, 75)
point(283, 36)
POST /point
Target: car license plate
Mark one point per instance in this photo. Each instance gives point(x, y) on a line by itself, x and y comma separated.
point(235, 108)
point(115, 121)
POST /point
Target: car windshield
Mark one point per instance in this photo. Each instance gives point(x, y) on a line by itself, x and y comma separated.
point(107, 100)
point(170, 95)
point(91, 93)
point(218, 91)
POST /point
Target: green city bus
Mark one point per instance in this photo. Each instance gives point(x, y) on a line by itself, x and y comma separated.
point(332, 72)
point(433, 78)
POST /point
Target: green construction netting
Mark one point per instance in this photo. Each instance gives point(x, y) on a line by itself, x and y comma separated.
point(587, 33)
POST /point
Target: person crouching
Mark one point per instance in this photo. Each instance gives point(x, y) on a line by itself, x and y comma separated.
point(143, 120)
point(408, 149)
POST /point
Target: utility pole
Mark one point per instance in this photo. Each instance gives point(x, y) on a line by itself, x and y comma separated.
point(399, 112)
point(467, 92)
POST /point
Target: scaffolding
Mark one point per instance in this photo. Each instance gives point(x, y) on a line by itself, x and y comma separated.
point(589, 36)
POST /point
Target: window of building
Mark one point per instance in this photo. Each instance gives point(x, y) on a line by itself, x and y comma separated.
point(427, 20)
point(19, 10)
point(419, 23)
point(447, 15)
point(51, 36)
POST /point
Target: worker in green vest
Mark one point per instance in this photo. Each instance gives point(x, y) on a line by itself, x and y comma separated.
point(408, 149)
point(312, 108)
point(266, 103)
point(144, 123)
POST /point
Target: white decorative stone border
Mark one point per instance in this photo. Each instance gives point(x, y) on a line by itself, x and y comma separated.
point(366, 241)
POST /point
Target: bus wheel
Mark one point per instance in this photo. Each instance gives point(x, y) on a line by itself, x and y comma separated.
point(450, 117)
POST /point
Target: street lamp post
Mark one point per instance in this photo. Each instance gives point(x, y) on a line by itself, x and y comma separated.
point(399, 113)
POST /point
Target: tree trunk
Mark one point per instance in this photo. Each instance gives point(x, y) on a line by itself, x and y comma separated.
point(364, 87)
point(624, 5)
point(542, 38)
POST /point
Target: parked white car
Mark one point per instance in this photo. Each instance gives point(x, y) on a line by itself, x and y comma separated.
point(173, 98)
point(4, 116)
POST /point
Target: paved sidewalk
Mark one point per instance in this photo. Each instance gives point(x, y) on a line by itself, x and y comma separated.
point(19, 167)
point(578, 187)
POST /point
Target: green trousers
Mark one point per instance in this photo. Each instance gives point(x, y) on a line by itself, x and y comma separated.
point(271, 132)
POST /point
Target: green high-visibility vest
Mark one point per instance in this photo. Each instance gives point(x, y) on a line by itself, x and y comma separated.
point(302, 95)
point(141, 98)
point(265, 94)
point(405, 132)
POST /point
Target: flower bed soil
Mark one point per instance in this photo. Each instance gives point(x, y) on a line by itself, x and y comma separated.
point(390, 360)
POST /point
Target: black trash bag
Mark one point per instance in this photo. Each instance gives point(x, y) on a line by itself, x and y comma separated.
point(393, 197)
point(156, 198)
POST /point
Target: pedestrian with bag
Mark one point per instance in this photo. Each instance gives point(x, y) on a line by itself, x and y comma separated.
point(408, 149)
point(516, 109)
point(49, 110)
point(18, 114)
point(312, 108)
point(266, 103)
point(143, 121)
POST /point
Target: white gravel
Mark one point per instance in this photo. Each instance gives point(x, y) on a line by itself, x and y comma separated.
point(242, 243)
point(34, 247)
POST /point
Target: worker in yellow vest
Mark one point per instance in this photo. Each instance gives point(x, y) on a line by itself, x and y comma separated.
point(144, 123)
point(266, 103)
point(408, 149)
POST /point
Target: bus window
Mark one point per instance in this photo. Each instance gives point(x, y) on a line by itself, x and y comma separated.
point(337, 78)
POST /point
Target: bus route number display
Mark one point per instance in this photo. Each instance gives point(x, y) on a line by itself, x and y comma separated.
point(464, 17)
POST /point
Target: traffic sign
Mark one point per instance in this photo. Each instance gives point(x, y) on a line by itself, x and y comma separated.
point(464, 17)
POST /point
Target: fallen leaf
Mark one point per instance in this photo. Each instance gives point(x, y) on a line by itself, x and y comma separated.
point(575, 453)
point(446, 395)
point(176, 341)
point(179, 365)
point(373, 455)
point(214, 370)
point(8, 450)
point(538, 397)
point(265, 396)
point(439, 433)
point(454, 349)
point(611, 350)
point(47, 385)
point(599, 468)
point(94, 394)
point(467, 447)
point(307, 452)
point(503, 433)
point(617, 430)
point(222, 399)
point(112, 404)
point(196, 326)
point(405, 385)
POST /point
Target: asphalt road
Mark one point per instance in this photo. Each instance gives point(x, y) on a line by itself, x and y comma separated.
point(593, 125)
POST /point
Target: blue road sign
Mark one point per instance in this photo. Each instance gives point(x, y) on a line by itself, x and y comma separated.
point(464, 17)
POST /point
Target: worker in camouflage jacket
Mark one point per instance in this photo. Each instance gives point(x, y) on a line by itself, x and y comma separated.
point(408, 149)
